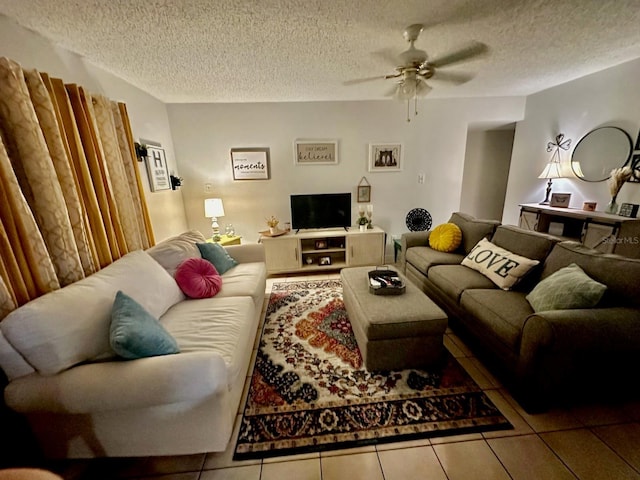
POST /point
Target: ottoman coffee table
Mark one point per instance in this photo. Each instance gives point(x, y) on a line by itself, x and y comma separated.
point(393, 332)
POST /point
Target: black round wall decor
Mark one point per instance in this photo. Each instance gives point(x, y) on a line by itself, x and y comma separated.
point(418, 219)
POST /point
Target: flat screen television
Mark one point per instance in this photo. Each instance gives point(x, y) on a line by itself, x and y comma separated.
point(320, 210)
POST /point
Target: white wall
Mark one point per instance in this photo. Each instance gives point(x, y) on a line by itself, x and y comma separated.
point(434, 144)
point(486, 172)
point(147, 114)
point(609, 97)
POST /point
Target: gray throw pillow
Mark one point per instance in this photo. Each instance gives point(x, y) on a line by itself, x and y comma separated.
point(567, 288)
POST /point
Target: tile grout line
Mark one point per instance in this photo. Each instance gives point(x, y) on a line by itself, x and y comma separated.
point(499, 460)
point(591, 429)
point(556, 453)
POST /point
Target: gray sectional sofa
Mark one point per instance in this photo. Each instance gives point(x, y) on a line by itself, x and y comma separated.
point(544, 357)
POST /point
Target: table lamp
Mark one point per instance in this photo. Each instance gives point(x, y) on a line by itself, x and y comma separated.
point(213, 209)
point(552, 170)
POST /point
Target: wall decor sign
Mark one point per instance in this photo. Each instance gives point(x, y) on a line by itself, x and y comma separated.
point(315, 152)
point(250, 163)
point(385, 157)
point(157, 169)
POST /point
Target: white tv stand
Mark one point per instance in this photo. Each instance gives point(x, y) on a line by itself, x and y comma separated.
point(323, 249)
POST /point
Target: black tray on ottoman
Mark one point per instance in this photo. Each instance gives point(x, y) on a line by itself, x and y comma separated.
point(384, 281)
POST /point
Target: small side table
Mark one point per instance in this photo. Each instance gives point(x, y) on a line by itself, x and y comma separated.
point(226, 240)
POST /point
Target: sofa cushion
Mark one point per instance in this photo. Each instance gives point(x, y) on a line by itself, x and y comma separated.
point(455, 279)
point(502, 314)
point(217, 255)
point(502, 267)
point(134, 333)
point(13, 364)
point(225, 326)
point(423, 258)
point(529, 244)
point(198, 278)
point(71, 325)
point(472, 229)
point(569, 287)
point(621, 275)
point(445, 237)
point(173, 251)
point(246, 279)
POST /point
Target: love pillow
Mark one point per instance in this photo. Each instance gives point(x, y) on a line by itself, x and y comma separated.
point(502, 267)
point(198, 278)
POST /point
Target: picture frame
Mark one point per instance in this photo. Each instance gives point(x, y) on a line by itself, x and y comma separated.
point(315, 152)
point(157, 169)
point(637, 147)
point(385, 157)
point(322, 261)
point(250, 163)
point(321, 244)
point(629, 210)
point(560, 200)
point(364, 193)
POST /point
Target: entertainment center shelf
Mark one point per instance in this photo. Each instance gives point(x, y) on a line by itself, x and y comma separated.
point(323, 249)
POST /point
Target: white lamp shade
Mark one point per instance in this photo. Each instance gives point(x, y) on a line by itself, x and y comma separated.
point(213, 207)
point(552, 170)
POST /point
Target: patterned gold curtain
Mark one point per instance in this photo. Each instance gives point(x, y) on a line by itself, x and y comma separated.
point(71, 199)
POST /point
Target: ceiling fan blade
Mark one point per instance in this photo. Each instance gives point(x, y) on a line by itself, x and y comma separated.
point(457, 78)
point(362, 80)
point(476, 49)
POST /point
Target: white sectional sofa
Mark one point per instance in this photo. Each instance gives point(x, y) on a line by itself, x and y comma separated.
point(81, 400)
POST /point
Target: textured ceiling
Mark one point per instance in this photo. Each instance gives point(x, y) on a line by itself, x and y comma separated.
point(287, 50)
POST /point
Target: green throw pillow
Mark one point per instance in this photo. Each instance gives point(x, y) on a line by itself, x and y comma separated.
point(567, 288)
point(217, 255)
point(135, 333)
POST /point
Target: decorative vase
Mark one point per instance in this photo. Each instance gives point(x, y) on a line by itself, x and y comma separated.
point(612, 206)
point(273, 230)
point(363, 228)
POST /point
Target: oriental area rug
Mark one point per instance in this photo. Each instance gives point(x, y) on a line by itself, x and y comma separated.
point(309, 391)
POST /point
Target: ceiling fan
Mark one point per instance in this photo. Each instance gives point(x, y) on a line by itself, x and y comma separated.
point(416, 68)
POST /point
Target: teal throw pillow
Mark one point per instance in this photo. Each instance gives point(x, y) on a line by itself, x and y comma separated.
point(135, 333)
point(567, 288)
point(217, 255)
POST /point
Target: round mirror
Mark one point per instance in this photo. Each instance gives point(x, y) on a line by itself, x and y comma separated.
point(600, 151)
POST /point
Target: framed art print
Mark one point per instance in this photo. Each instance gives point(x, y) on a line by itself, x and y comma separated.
point(385, 157)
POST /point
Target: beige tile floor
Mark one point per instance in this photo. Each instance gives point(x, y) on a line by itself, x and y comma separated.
point(588, 442)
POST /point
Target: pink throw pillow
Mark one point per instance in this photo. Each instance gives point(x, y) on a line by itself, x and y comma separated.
point(198, 278)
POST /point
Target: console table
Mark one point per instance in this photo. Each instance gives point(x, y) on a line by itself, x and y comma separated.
point(602, 231)
point(330, 249)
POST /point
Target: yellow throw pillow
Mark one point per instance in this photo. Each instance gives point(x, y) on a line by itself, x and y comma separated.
point(446, 237)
